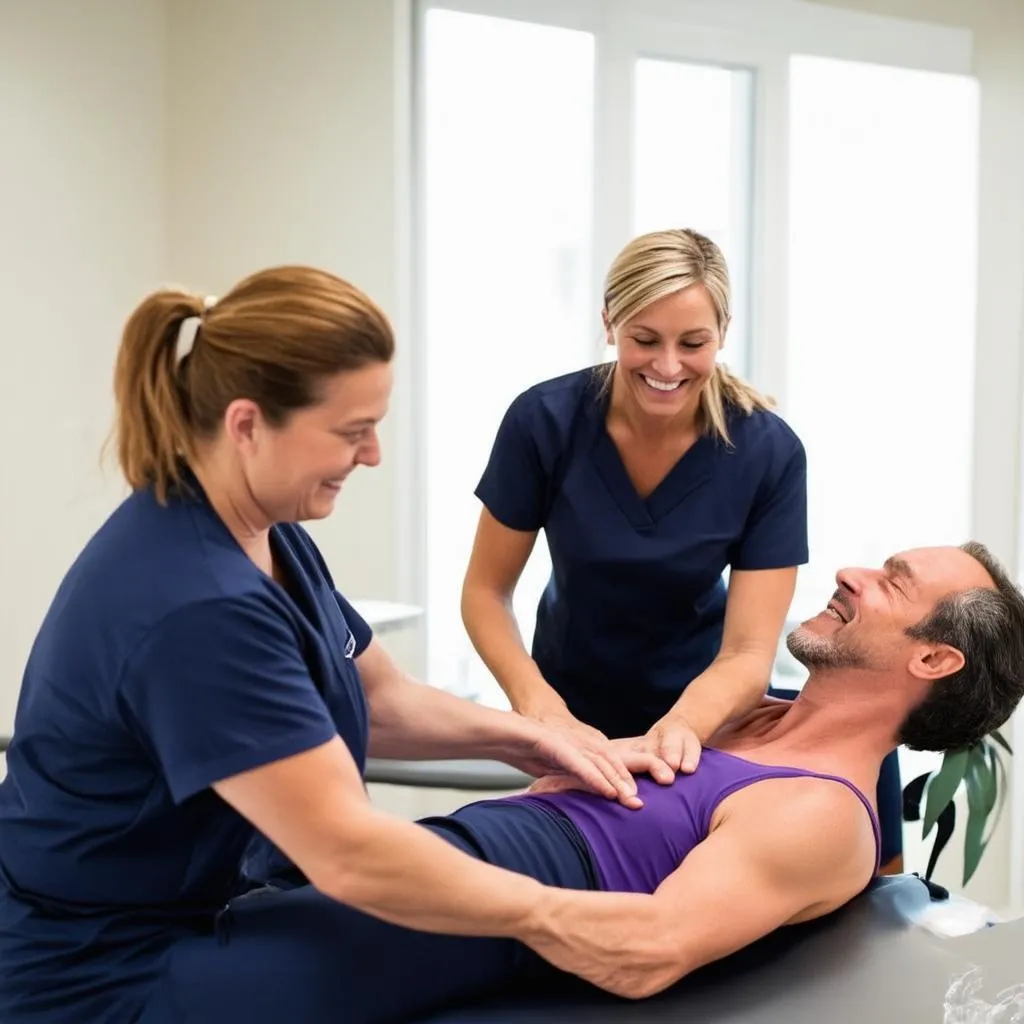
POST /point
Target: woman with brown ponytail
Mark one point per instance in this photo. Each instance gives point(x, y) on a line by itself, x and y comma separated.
point(650, 476)
point(200, 700)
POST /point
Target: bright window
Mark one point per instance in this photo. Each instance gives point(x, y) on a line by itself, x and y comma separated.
point(693, 167)
point(507, 199)
point(881, 306)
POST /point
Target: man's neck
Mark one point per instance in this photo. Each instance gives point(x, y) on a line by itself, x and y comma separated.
point(849, 716)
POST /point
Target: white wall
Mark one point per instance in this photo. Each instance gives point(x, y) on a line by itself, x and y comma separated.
point(82, 189)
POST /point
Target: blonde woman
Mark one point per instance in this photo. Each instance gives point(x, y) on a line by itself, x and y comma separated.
point(650, 476)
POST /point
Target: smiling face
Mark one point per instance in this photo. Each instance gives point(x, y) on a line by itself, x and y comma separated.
point(294, 472)
point(666, 352)
point(866, 621)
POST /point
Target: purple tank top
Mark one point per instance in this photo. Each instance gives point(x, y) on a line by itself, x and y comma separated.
point(636, 850)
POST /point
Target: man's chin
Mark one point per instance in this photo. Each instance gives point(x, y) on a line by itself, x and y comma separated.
point(809, 647)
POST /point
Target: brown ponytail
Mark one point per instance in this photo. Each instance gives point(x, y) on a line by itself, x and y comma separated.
point(274, 338)
point(152, 419)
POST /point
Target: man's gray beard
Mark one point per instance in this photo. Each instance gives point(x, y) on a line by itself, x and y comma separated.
point(814, 651)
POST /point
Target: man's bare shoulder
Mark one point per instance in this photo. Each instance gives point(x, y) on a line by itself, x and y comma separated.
point(812, 829)
point(780, 851)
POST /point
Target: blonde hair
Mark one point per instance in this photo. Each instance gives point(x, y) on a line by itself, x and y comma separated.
point(273, 339)
point(660, 263)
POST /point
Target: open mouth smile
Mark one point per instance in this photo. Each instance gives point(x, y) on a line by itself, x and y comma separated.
point(837, 610)
point(663, 386)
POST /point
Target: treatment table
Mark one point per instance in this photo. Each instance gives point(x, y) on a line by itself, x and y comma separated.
point(876, 961)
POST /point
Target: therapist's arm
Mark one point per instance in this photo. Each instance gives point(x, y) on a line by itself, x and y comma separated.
point(775, 862)
point(496, 563)
point(497, 560)
point(736, 681)
point(413, 721)
point(314, 808)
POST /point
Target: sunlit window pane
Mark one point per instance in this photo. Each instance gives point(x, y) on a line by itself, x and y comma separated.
point(508, 153)
point(882, 306)
point(692, 167)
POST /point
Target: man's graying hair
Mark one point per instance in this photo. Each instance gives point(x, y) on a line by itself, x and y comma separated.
point(987, 627)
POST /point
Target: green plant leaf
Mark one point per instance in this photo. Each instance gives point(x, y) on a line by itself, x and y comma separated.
point(998, 738)
point(991, 758)
point(982, 773)
point(980, 783)
point(944, 829)
point(1002, 784)
point(943, 786)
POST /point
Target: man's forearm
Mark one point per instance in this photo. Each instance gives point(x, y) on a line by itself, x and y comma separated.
point(414, 721)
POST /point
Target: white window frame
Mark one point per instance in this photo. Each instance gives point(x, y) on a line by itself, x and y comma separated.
point(761, 35)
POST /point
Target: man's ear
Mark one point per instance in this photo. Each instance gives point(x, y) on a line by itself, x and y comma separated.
point(936, 661)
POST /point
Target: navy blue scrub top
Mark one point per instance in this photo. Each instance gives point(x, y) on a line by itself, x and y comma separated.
point(167, 661)
point(634, 608)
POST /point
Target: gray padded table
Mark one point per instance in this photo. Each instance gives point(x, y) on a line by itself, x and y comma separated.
point(488, 776)
point(867, 964)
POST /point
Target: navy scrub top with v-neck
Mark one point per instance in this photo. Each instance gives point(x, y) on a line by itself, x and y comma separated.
point(167, 661)
point(634, 608)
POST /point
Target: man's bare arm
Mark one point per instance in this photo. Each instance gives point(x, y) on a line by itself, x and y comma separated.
point(788, 850)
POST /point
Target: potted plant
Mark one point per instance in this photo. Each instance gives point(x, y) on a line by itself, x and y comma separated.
point(982, 772)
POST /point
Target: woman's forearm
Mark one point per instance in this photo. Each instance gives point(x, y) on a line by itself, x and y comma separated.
point(414, 721)
point(492, 627)
point(403, 873)
point(732, 685)
point(622, 942)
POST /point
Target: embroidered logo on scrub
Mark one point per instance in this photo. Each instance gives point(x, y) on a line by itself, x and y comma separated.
point(350, 644)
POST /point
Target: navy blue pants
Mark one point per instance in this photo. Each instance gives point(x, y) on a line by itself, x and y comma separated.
point(280, 956)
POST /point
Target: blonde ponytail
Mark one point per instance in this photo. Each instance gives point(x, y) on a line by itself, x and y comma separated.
point(152, 427)
point(723, 389)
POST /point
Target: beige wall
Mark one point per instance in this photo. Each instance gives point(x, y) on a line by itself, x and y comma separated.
point(284, 146)
point(82, 192)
